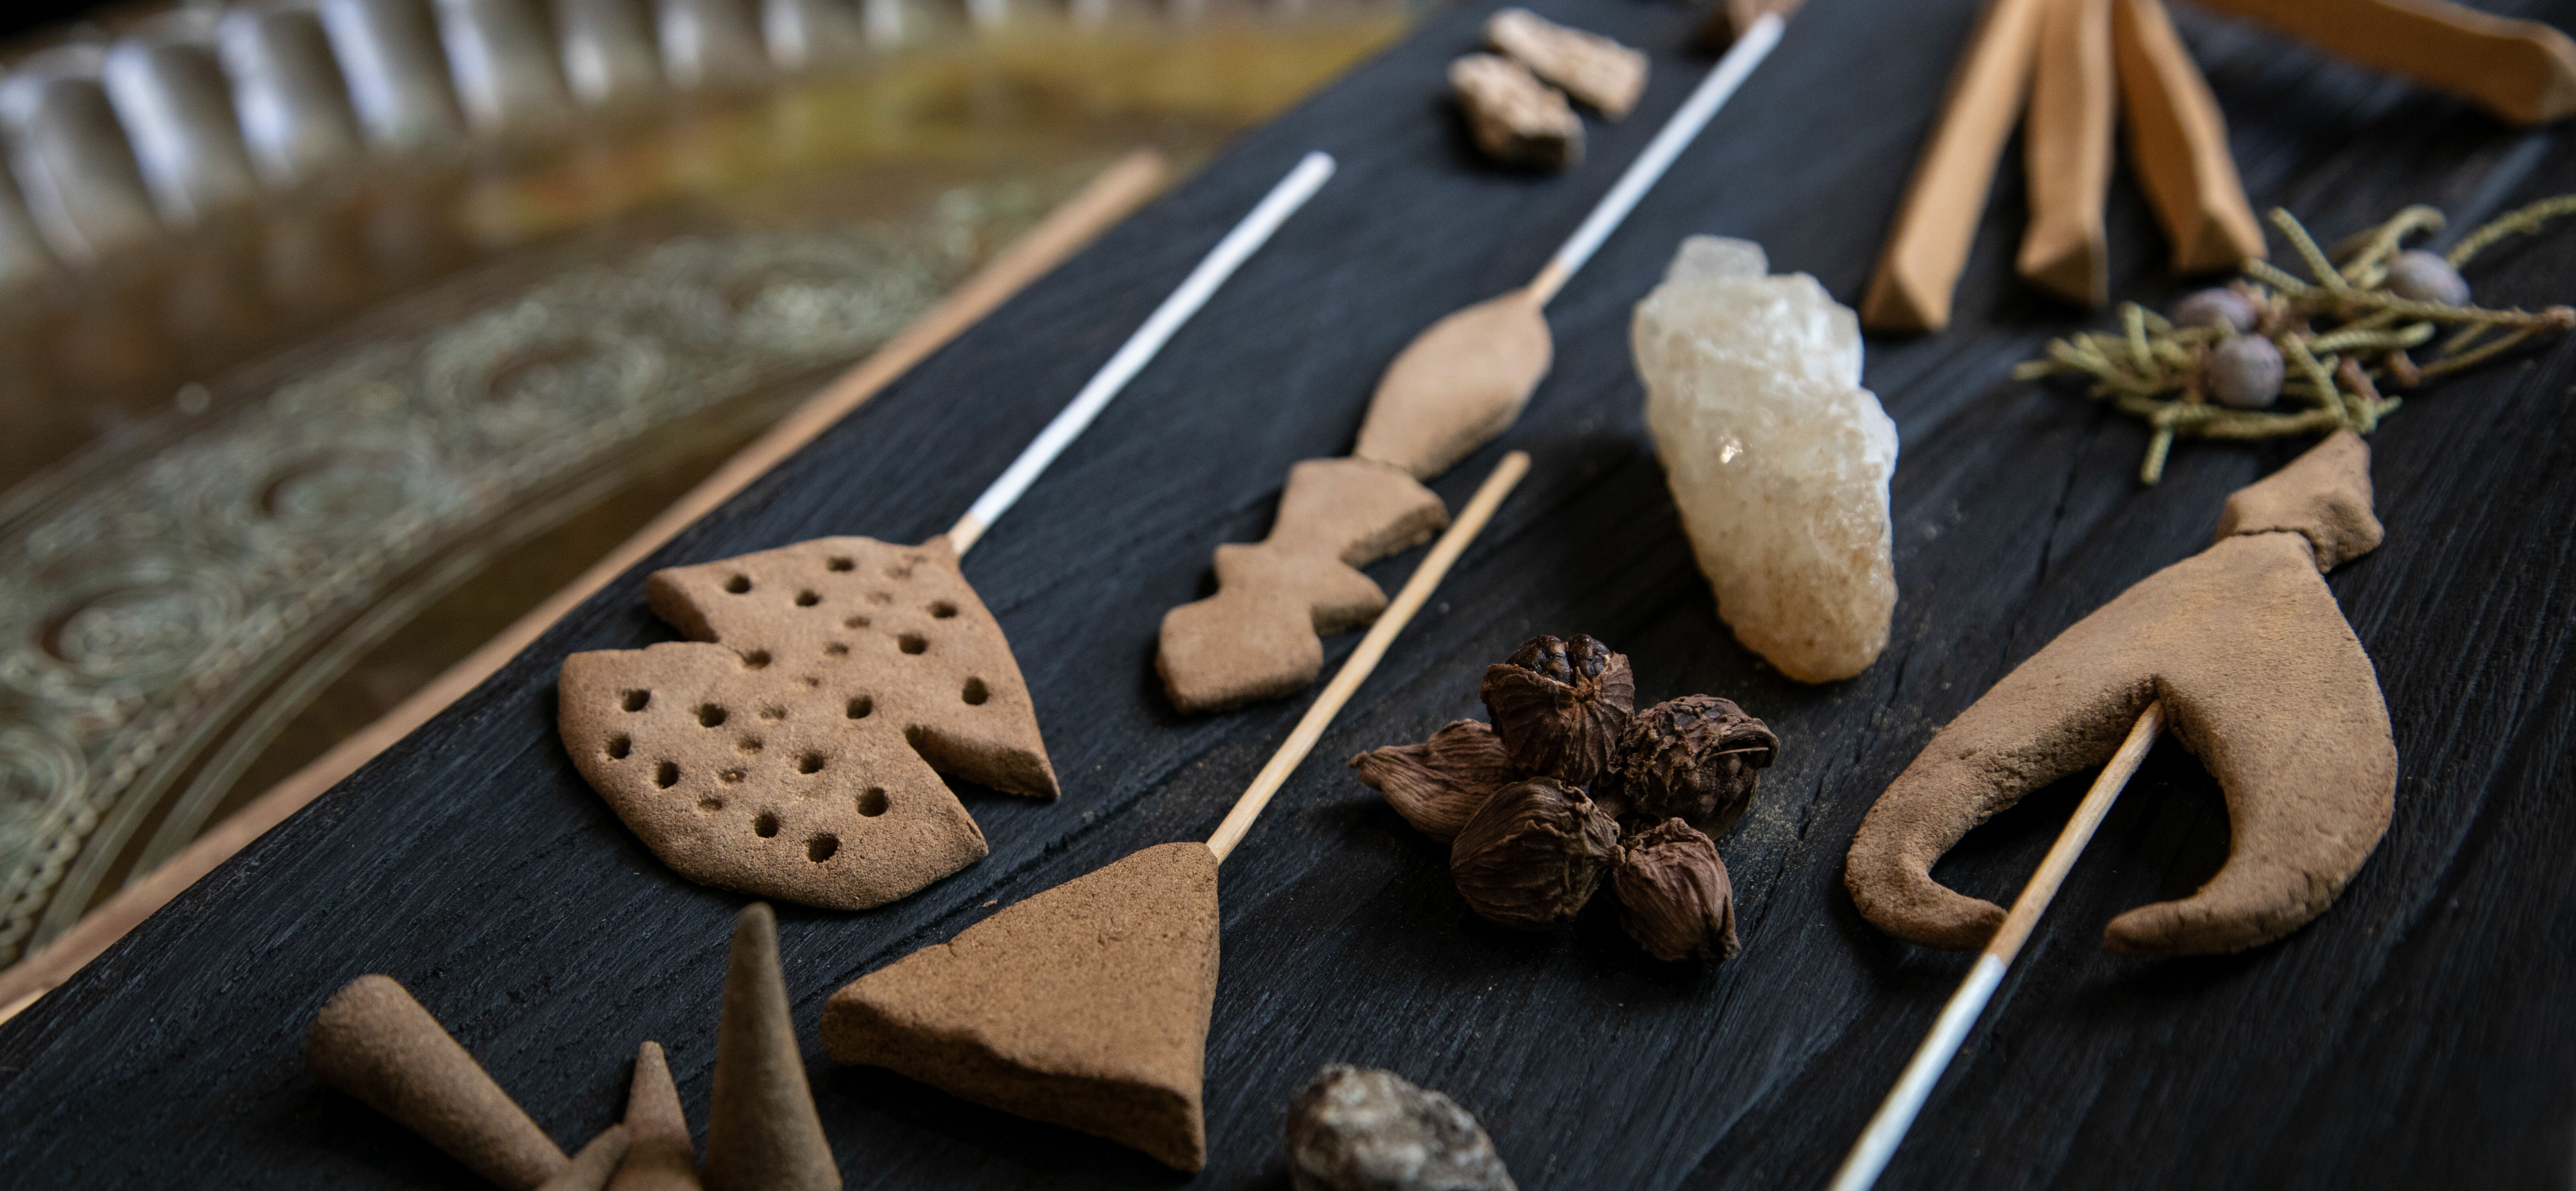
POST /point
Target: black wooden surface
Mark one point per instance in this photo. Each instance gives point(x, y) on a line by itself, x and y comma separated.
point(2422, 1033)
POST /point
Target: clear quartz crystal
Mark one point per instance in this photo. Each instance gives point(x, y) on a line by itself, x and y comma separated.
point(1777, 458)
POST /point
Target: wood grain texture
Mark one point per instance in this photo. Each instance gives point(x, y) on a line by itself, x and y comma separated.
point(2419, 1034)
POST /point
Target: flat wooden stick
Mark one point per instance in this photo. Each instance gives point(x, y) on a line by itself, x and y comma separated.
point(1291, 192)
point(1750, 48)
point(1878, 1142)
point(2523, 72)
point(1112, 196)
point(1947, 196)
point(2066, 154)
point(2178, 140)
point(1310, 727)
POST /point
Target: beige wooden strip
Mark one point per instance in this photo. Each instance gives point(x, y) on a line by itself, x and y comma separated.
point(2522, 71)
point(1109, 198)
point(2178, 141)
point(1938, 219)
point(2066, 153)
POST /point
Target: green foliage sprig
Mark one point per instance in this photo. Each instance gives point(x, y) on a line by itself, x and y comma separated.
point(2346, 339)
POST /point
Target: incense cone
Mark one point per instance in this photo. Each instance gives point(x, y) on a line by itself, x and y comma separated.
point(658, 1154)
point(374, 1042)
point(2261, 678)
point(1085, 1006)
point(590, 1169)
point(762, 1131)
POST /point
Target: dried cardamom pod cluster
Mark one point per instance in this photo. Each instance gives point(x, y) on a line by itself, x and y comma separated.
point(1532, 807)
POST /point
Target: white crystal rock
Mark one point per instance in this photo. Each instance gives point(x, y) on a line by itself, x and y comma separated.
point(1777, 458)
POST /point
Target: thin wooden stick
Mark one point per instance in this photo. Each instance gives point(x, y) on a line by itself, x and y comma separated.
point(1310, 727)
point(1748, 52)
point(1219, 264)
point(1878, 1142)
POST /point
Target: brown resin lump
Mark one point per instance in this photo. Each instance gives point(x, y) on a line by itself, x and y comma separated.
point(1516, 119)
point(2260, 677)
point(1592, 68)
point(374, 1042)
point(793, 748)
point(1086, 1006)
point(1357, 1129)
point(1257, 637)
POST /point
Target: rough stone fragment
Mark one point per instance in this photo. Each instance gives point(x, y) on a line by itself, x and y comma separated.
point(1358, 1129)
point(1777, 458)
point(373, 1041)
point(1086, 1006)
point(1256, 638)
point(1515, 118)
point(1591, 68)
point(793, 747)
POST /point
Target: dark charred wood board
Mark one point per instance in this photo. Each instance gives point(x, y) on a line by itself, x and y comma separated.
point(2421, 1033)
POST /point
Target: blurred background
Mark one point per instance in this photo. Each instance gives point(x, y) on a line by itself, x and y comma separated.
point(335, 335)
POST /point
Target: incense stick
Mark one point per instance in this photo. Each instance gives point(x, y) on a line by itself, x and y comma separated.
point(1748, 51)
point(1878, 1143)
point(1219, 264)
point(1310, 727)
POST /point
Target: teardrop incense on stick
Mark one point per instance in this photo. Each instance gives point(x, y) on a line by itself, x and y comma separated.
point(374, 1042)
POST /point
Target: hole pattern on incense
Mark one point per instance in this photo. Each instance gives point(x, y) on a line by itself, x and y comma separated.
point(896, 676)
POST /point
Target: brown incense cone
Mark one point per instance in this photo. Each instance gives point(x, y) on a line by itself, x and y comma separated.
point(1086, 1006)
point(658, 1154)
point(590, 1169)
point(374, 1042)
point(2260, 677)
point(762, 1131)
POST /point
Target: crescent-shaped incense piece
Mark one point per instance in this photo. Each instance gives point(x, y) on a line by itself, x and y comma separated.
point(2259, 676)
point(1458, 385)
point(794, 747)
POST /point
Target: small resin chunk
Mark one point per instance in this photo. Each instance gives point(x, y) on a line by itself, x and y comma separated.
point(1602, 73)
point(1777, 458)
point(1358, 1129)
point(1516, 119)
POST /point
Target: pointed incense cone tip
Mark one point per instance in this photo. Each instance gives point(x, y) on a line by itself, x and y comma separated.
point(375, 1042)
point(763, 1133)
point(659, 1154)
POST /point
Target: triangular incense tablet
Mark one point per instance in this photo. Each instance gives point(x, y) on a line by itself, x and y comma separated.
point(762, 1130)
point(1086, 1006)
point(590, 1169)
point(373, 1041)
point(658, 1154)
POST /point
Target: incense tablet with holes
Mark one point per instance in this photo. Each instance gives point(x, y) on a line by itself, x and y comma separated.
point(793, 747)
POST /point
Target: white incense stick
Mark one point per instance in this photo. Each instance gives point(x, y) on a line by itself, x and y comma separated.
point(1748, 51)
point(1878, 1143)
point(1246, 239)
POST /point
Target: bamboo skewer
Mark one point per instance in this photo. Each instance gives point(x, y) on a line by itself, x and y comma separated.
point(1290, 193)
point(1355, 670)
point(1877, 1144)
